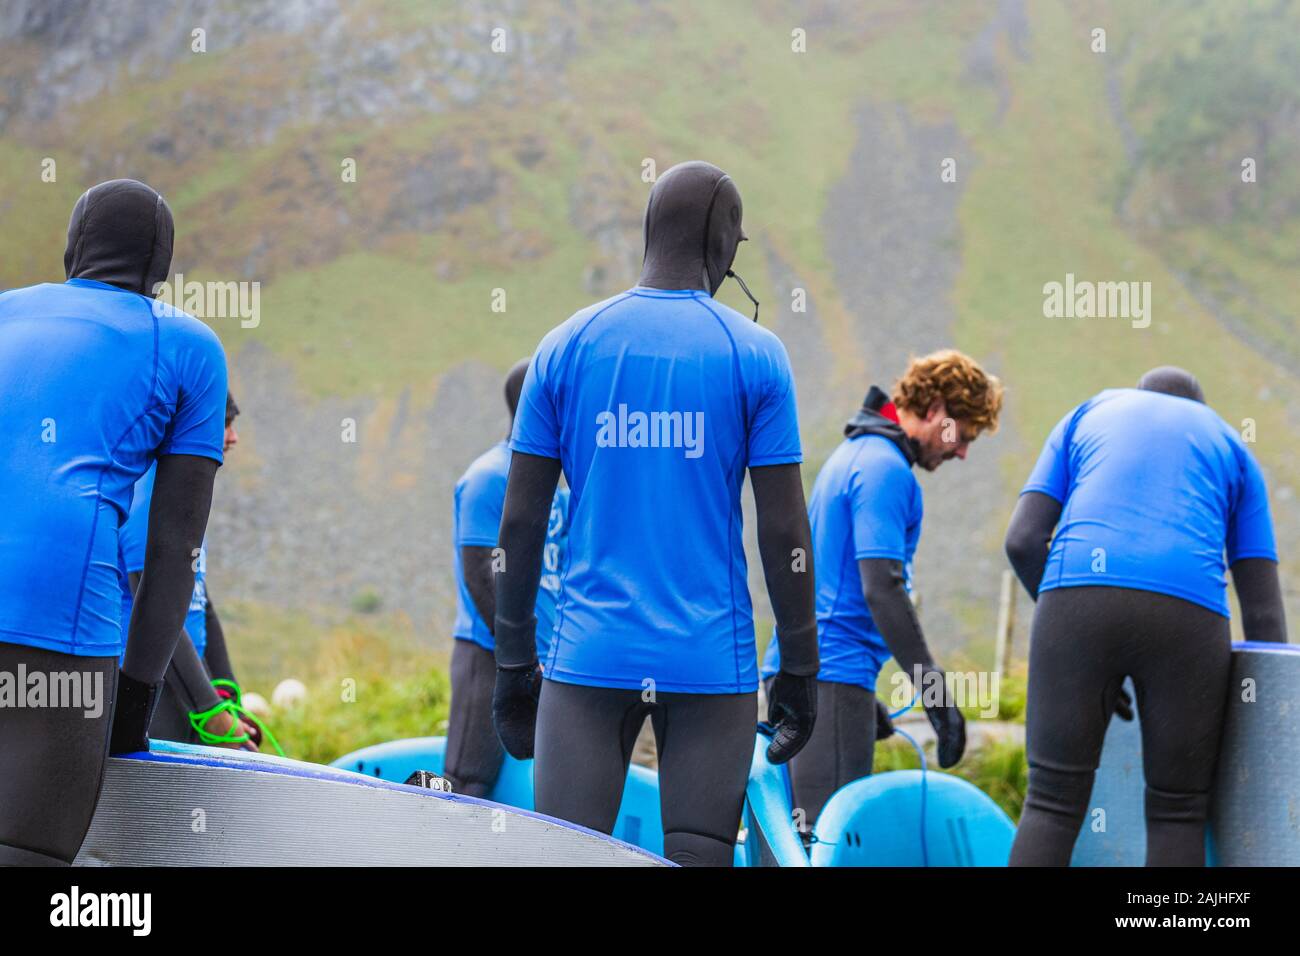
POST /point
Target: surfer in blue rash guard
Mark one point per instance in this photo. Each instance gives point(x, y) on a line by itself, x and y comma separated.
point(99, 381)
point(866, 515)
point(474, 753)
point(188, 689)
point(216, 654)
point(1140, 501)
point(655, 618)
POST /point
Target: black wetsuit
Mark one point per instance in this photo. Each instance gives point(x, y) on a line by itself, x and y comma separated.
point(52, 759)
point(842, 747)
point(474, 753)
point(216, 656)
point(585, 737)
point(51, 763)
point(1084, 642)
point(584, 734)
point(187, 688)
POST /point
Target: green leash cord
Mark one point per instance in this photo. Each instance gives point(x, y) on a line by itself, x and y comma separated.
point(232, 705)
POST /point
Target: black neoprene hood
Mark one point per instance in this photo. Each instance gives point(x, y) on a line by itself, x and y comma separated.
point(692, 228)
point(121, 233)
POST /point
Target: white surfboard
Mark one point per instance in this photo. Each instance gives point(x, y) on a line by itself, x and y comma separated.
point(180, 805)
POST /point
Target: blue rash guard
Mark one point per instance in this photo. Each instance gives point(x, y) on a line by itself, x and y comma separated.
point(132, 538)
point(97, 383)
point(655, 402)
point(1154, 490)
point(480, 497)
point(866, 503)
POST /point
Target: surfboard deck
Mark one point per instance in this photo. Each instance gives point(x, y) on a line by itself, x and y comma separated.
point(639, 821)
point(180, 805)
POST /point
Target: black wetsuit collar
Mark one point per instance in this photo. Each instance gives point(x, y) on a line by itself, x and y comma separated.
point(878, 417)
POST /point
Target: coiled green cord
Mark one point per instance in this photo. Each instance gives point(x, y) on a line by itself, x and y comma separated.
point(232, 705)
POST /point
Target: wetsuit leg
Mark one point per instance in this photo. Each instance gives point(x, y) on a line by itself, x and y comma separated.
point(52, 760)
point(585, 737)
point(1182, 692)
point(474, 752)
point(706, 743)
point(840, 750)
point(1084, 642)
point(1073, 686)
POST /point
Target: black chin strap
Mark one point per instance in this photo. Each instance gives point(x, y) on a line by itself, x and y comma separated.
point(704, 248)
point(744, 288)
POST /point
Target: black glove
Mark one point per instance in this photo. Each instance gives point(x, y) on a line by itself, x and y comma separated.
point(132, 713)
point(791, 713)
point(1124, 705)
point(884, 726)
point(514, 708)
point(950, 729)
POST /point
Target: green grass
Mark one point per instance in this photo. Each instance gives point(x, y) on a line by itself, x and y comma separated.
point(385, 708)
point(368, 678)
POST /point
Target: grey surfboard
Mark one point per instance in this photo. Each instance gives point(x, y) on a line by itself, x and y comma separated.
point(1255, 803)
point(180, 805)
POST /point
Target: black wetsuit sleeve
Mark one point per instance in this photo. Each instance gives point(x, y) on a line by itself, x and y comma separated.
point(524, 520)
point(1029, 537)
point(476, 568)
point(178, 515)
point(194, 683)
point(785, 546)
point(185, 666)
point(217, 655)
point(1259, 594)
point(883, 585)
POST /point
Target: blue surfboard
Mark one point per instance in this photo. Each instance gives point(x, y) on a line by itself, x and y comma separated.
point(899, 818)
point(639, 821)
point(770, 835)
point(911, 818)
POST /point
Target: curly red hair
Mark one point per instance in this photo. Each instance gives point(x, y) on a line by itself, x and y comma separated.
point(970, 394)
